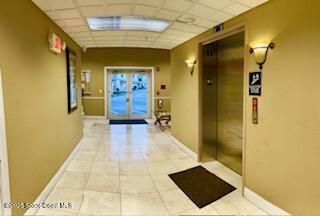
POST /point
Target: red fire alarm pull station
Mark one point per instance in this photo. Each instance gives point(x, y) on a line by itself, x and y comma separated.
point(255, 110)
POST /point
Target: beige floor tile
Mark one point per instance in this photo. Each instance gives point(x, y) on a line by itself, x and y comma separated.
point(75, 180)
point(103, 183)
point(66, 195)
point(164, 183)
point(50, 212)
point(108, 156)
point(80, 166)
point(131, 157)
point(225, 174)
point(85, 156)
point(257, 212)
point(143, 204)
point(225, 208)
point(137, 184)
point(177, 202)
point(161, 167)
point(133, 168)
point(208, 211)
point(99, 203)
point(154, 156)
point(183, 164)
point(243, 206)
point(136, 160)
point(107, 168)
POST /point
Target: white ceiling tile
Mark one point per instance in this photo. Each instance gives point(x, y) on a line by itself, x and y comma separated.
point(73, 22)
point(64, 14)
point(177, 5)
point(61, 4)
point(235, 9)
point(152, 34)
point(109, 38)
point(94, 11)
point(220, 16)
point(83, 35)
point(172, 31)
point(218, 4)
point(76, 29)
point(187, 27)
point(252, 3)
point(91, 2)
point(206, 12)
point(167, 14)
point(108, 33)
point(205, 23)
point(156, 3)
point(147, 11)
point(168, 37)
point(43, 5)
point(133, 38)
point(116, 10)
point(201, 11)
point(136, 33)
point(119, 1)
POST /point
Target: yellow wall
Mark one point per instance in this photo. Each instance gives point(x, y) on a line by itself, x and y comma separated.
point(282, 151)
point(97, 58)
point(40, 132)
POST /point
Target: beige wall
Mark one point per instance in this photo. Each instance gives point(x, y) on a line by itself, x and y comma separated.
point(282, 151)
point(96, 59)
point(40, 132)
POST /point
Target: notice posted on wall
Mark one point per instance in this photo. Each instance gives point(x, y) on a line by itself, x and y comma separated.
point(255, 83)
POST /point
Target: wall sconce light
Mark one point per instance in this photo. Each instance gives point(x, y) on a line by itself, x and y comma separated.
point(261, 53)
point(190, 63)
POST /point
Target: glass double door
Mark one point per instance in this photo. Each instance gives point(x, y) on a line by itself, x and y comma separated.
point(129, 95)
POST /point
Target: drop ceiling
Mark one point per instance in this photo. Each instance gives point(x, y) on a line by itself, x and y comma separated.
point(71, 16)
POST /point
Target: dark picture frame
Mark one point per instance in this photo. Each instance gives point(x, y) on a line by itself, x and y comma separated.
point(72, 80)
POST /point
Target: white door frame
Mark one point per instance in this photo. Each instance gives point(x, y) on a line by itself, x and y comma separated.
point(106, 68)
point(4, 167)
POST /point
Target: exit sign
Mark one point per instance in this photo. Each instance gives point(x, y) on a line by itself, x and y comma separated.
point(55, 43)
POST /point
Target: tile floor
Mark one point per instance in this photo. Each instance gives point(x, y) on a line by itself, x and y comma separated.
point(123, 170)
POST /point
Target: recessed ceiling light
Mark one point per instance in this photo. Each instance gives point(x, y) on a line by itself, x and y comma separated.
point(127, 23)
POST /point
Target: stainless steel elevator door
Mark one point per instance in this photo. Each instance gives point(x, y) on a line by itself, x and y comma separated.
point(230, 58)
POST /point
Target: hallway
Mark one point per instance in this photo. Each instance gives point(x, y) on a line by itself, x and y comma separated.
point(123, 170)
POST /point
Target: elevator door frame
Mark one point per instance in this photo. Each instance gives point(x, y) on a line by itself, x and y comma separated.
point(106, 85)
point(241, 27)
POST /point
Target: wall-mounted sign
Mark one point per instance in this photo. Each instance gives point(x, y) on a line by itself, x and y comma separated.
point(218, 28)
point(255, 110)
point(255, 83)
point(55, 43)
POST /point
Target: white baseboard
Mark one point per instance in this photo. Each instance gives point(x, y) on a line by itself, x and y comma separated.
point(265, 205)
point(47, 190)
point(184, 148)
point(94, 117)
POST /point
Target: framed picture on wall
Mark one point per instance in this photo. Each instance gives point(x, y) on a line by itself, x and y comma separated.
point(72, 80)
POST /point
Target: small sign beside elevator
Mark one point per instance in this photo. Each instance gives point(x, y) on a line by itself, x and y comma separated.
point(255, 83)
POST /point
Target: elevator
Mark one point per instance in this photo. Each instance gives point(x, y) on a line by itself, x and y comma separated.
point(222, 101)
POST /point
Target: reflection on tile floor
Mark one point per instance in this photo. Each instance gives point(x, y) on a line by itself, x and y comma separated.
point(123, 170)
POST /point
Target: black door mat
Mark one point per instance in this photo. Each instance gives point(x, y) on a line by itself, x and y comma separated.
point(201, 186)
point(128, 121)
